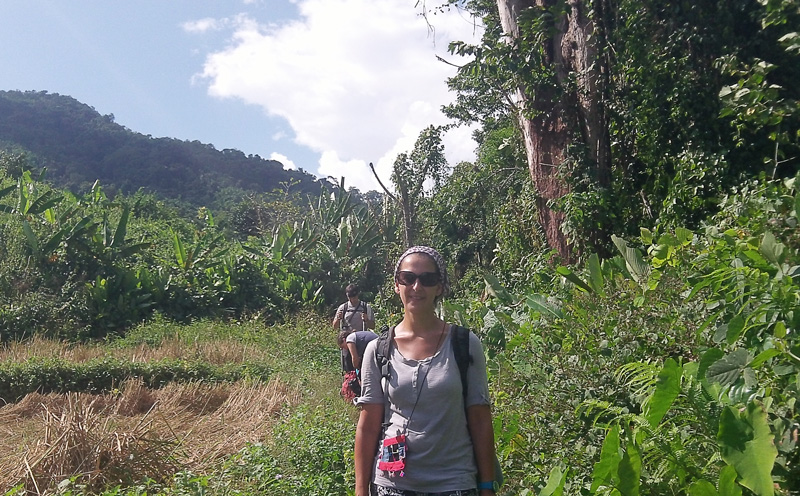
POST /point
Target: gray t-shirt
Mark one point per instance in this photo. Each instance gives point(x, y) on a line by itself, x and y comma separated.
point(439, 448)
point(361, 339)
point(353, 316)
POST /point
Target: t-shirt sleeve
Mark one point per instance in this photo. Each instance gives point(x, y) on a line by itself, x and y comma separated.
point(478, 389)
point(371, 389)
point(351, 338)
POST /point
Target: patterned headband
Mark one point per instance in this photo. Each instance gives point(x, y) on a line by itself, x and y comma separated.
point(437, 259)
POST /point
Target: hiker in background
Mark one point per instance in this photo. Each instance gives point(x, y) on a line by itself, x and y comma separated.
point(416, 431)
point(352, 346)
point(354, 343)
point(354, 314)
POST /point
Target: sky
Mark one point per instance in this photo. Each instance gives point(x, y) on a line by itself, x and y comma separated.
point(326, 86)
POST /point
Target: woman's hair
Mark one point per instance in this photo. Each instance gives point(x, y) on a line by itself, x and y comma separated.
point(434, 255)
point(342, 337)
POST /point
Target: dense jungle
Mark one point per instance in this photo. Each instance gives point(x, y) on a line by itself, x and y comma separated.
point(625, 244)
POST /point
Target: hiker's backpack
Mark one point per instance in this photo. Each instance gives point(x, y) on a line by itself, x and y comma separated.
point(348, 323)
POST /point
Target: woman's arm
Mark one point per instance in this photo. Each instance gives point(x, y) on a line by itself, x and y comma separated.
point(479, 421)
point(354, 355)
point(367, 434)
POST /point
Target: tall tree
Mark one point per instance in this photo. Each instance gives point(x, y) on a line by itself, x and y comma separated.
point(620, 109)
point(425, 166)
point(542, 59)
point(561, 106)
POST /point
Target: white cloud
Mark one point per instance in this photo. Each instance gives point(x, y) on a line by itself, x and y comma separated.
point(202, 25)
point(287, 163)
point(357, 80)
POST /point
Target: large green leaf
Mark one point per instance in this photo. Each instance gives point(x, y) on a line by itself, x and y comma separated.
point(630, 470)
point(495, 288)
point(634, 262)
point(763, 357)
point(122, 228)
point(33, 241)
point(574, 279)
point(541, 304)
point(727, 482)
point(606, 467)
point(596, 278)
point(46, 200)
point(668, 386)
point(684, 235)
point(746, 443)
point(728, 369)
point(179, 249)
point(709, 358)
point(7, 190)
point(555, 483)
point(51, 244)
point(735, 328)
point(772, 250)
point(702, 488)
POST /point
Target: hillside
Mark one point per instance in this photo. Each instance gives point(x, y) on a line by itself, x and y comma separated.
point(79, 146)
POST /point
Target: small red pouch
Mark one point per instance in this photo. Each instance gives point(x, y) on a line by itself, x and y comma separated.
point(393, 456)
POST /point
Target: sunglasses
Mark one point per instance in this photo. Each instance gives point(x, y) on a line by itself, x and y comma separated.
point(408, 278)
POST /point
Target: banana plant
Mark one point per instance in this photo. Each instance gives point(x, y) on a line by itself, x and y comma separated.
point(355, 242)
point(332, 208)
point(29, 202)
point(287, 241)
point(206, 252)
point(34, 209)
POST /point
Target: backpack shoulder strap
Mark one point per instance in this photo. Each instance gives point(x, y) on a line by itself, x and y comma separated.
point(460, 342)
point(382, 350)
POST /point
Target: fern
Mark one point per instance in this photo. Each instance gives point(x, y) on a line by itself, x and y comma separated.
point(640, 377)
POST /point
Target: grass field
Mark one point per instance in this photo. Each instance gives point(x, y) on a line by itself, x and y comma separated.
point(291, 428)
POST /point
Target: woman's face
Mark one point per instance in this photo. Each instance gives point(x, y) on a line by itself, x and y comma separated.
point(415, 296)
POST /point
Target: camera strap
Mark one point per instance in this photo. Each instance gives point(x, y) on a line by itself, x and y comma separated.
point(393, 450)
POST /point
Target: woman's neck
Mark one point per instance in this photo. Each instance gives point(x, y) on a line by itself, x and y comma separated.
point(421, 325)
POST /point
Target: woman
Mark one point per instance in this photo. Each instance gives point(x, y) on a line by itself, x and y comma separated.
point(443, 448)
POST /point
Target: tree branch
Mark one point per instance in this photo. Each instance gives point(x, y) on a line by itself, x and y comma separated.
point(385, 190)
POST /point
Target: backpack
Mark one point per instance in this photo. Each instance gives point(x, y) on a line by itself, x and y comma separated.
point(344, 306)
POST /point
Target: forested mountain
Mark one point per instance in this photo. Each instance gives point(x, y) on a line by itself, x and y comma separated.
point(78, 146)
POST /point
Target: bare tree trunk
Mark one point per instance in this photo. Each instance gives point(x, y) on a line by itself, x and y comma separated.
point(406, 207)
point(550, 121)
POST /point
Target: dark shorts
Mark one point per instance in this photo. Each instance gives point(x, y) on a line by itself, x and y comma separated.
point(390, 491)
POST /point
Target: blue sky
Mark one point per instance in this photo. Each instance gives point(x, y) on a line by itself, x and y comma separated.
point(323, 85)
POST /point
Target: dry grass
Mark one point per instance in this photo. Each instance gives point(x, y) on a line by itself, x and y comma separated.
point(218, 352)
point(113, 439)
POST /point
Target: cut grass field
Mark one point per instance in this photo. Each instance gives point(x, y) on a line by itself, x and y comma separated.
point(133, 435)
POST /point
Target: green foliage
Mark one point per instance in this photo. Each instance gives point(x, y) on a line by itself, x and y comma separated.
point(483, 217)
point(320, 463)
point(670, 368)
point(413, 176)
point(692, 96)
point(81, 253)
point(103, 375)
